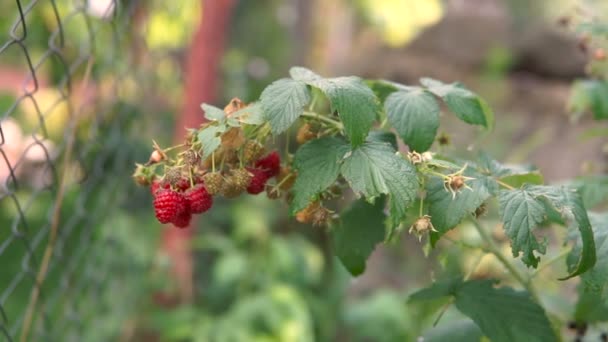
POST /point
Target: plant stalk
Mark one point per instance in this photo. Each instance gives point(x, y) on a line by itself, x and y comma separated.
point(493, 248)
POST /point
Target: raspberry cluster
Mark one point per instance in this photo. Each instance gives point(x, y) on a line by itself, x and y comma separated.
point(177, 205)
point(177, 198)
point(184, 179)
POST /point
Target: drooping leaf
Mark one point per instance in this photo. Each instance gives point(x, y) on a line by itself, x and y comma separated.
point(415, 116)
point(283, 102)
point(521, 212)
point(502, 314)
point(596, 278)
point(467, 106)
point(374, 169)
point(210, 138)
point(318, 165)
point(213, 113)
point(447, 210)
point(361, 228)
point(568, 203)
point(356, 104)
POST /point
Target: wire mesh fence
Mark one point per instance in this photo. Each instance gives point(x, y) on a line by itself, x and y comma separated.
point(73, 77)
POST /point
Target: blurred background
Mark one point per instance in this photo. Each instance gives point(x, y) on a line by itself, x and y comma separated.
point(86, 85)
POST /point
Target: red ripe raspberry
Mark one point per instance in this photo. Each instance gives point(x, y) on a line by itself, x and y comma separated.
point(258, 181)
point(271, 164)
point(157, 185)
point(182, 220)
point(168, 204)
point(183, 184)
point(200, 200)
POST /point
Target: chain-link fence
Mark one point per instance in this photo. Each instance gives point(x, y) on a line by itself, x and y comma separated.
point(75, 77)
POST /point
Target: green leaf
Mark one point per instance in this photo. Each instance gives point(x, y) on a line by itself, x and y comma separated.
point(596, 278)
point(303, 74)
point(361, 228)
point(383, 88)
point(467, 106)
point(590, 95)
point(439, 289)
point(593, 189)
point(382, 136)
point(568, 203)
point(318, 165)
point(213, 113)
point(521, 213)
point(374, 169)
point(518, 180)
point(253, 114)
point(210, 138)
point(502, 314)
point(415, 116)
point(283, 102)
point(455, 331)
point(447, 211)
point(355, 103)
point(591, 306)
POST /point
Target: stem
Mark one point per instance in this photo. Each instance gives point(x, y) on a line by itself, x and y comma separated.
point(316, 116)
point(421, 206)
point(492, 248)
point(443, 310)
point(173, 147)
point(435, 173)
point(466, 277)
point(313, 102)
point(505, 185)
point(212, 161)
point(384, 122)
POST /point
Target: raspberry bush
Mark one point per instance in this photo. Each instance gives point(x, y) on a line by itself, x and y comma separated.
point(352, 174)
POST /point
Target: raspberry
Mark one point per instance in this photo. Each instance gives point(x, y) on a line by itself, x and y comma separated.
point(182, 220)
point(258, 181)
point(271, 164)
point(213, 182)
point(183, 184)
point(253, 150)
point(168, 204)
point(156, 185)
point(230, 189)
point(172, 175)
point(241, 178)
point(191, 157)
point(199, 199)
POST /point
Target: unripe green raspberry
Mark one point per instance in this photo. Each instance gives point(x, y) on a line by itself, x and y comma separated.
point(241, 178)
point(213, 182)
point(252, 151)
point(230, 189)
